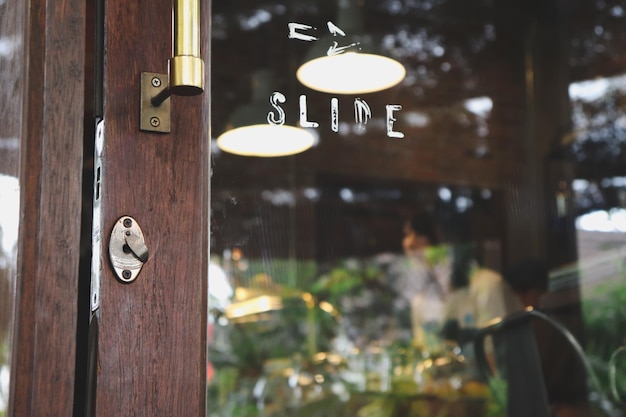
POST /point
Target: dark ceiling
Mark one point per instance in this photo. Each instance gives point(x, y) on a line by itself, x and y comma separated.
point(447, 46)
point(453, 50)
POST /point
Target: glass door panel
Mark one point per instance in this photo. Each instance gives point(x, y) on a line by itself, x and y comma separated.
point(353, 263)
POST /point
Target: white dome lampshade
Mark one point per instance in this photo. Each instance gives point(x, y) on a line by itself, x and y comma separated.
point(250, 134)
point(265, 140)
point(351, 73)
point(359, 69)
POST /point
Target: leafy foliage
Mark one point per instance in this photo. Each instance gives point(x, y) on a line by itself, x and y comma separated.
point(605, 329)
point(364, 296)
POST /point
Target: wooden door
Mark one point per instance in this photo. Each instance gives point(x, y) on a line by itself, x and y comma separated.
point(80, 68)
point(150, 347)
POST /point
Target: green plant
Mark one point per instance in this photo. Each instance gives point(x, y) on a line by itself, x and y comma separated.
point(605, 329)
point(363, 295)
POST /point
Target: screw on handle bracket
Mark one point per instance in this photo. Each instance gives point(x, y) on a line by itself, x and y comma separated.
point(186, 69)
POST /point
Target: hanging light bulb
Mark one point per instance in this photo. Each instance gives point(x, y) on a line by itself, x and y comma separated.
point(266, 140)
point(352, 68)
point(250, 134)
point(351, 73)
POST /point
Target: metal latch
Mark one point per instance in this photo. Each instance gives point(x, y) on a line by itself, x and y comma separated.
point(127, 249)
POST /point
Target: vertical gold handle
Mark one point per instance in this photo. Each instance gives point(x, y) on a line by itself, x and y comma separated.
point(186, 69)
point(186, 65)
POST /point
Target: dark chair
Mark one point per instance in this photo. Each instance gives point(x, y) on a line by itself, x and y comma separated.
point(507, 348)
point(513, 356)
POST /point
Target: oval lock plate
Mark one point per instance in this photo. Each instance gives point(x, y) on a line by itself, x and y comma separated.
point(127, 249)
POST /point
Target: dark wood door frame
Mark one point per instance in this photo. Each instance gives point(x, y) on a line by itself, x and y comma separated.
point(151, 345)
point(43, 361)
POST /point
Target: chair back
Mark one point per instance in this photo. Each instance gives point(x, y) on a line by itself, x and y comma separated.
point(507, 349)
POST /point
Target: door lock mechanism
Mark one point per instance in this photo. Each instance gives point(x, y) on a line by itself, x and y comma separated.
point(127, 249)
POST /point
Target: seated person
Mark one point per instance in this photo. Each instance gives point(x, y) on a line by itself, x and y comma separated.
point(478, 295)
point(424, 285)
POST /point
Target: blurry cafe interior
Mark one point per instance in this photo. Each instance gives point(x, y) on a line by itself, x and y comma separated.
point(417, 208)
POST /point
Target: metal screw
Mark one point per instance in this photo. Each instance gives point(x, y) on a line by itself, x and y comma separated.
point(128, 223)
point(156, 82)
point(155, 122)
point(126, 274)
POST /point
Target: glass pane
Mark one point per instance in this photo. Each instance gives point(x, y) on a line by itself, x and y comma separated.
point(11, 61)
point(476, 173)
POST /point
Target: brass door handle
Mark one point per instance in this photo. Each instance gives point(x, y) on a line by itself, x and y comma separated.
point(186, 66)
point(186, 69)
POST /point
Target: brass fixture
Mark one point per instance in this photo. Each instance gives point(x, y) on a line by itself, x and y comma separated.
point(186, 69)
point(186, 66)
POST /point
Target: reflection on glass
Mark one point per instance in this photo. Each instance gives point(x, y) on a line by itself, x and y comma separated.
point(330, 297)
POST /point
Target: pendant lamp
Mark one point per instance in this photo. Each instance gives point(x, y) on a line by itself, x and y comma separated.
point(250, 134)
point(348, 61)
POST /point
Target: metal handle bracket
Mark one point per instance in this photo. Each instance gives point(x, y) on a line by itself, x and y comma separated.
point(186, 69)
point(155, 103)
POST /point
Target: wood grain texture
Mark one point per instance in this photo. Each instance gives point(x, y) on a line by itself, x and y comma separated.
point(50, 181)
point(152, 332)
